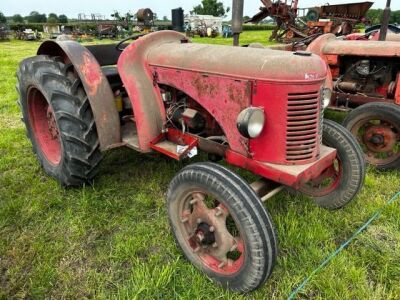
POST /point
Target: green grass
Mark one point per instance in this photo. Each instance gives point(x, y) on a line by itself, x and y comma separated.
point(112, 240)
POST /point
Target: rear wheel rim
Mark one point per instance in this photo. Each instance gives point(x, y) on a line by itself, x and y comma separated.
point(210, 233)
point(44, 126)
point(379, 140)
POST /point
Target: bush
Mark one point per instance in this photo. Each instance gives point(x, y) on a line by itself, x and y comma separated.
point(258, 27)
point(22, 26)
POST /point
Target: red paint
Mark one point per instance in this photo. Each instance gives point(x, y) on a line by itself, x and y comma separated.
point(232, 267)
point(177, 137)
point(286, 109)
point(224, 98)
point(38, 110)
point(292, 176)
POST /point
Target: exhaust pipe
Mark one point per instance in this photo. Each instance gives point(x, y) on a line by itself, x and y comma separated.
point(237, 20)
point(385, 22)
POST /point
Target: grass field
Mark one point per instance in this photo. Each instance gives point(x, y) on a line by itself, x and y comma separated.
point(112, 239)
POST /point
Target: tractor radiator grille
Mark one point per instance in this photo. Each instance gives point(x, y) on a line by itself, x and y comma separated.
point(302, 132)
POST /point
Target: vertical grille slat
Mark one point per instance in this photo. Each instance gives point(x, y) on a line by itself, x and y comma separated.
point(302, 126)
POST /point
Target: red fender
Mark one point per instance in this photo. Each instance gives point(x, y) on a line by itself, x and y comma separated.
point(140, 85)
point(96, 86)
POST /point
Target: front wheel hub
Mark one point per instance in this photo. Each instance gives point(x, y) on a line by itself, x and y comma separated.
point(380, 138)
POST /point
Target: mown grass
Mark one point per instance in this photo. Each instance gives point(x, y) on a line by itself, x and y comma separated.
point(112, 239)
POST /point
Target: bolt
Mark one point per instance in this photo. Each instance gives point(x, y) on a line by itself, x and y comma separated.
point(200, 236)
point(222, 264)
point(233, 248)
point(218, 212)
point(212, 229)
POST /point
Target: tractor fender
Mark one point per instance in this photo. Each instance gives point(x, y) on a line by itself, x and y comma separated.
point(141, 85)
point(97, 88)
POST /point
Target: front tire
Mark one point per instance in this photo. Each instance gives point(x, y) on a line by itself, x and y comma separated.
point(221, 226)
point(58, 119)
point(377, 129)
point(340, 183)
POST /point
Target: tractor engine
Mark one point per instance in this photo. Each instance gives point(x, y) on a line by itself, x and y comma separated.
point(372, 77)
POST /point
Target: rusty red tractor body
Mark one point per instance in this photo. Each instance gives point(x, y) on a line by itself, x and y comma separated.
point(366, 77)
point(163, 94)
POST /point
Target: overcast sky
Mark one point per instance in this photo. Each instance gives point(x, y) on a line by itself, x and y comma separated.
point(72, 8)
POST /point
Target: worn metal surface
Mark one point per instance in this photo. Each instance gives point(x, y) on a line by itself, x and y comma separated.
point(224, 98)
point(95, 84)
point(288, 175)
point(238, 62)
point(337, 52)
point(144, 94)
point(292, 114)
point(351, 11)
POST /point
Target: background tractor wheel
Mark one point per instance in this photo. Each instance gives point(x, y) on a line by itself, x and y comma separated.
point(222, 226)
point(340, 183)
point(58, 119)
point(377, 129)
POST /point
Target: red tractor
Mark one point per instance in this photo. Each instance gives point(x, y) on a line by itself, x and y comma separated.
point(366, 82)
point(364, 74)
point(163, 94)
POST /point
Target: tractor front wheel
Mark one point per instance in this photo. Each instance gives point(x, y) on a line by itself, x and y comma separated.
point(222, 226)
point(339, 184)
point(377, 129)
point(58, 119)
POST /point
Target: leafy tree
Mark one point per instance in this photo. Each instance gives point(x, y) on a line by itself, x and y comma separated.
point(52, 18)
point(35, 17)
point(3, 19)
point(374, 15)
point(17, 18)
point(165, 18)
point(210, 7)
point(63, 19)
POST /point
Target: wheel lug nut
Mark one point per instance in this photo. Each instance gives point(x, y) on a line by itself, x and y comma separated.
point(218, 212)
point(222, 264)
point(212, 229)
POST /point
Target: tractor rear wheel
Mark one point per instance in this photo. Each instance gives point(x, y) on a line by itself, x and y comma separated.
point(221, 226)
point(377, 129)
point(58, 119)
point(339, 184)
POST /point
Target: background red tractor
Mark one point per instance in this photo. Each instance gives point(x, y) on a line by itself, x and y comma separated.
point(164, 94)
point(365, 77)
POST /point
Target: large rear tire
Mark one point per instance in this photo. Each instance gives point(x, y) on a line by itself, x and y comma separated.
point(340, 183)
point(59, 120)
point(221, 226)
point(377, 129)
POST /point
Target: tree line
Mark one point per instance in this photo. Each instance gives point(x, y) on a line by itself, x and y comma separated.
point(34, 17)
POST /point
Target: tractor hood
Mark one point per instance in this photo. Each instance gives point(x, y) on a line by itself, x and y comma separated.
point(239, 62)
point(328, 44)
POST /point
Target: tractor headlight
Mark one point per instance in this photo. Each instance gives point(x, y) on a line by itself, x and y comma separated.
point(250, 122)
point(326, 97)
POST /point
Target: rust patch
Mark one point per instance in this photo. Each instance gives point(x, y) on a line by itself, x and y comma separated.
point(91, 72)
point(205, 86)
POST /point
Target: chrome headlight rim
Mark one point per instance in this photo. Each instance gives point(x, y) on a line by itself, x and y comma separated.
point(250, 122)
point(326, 95)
